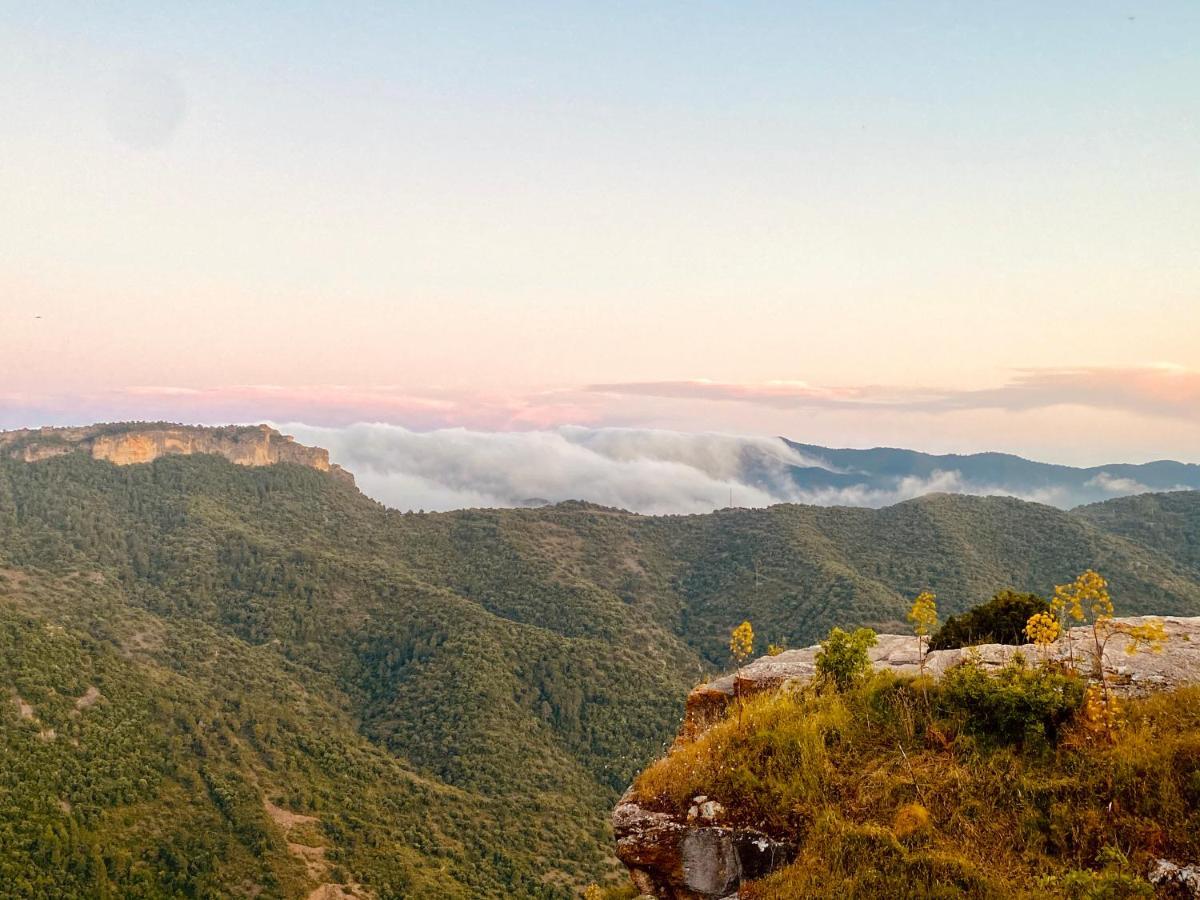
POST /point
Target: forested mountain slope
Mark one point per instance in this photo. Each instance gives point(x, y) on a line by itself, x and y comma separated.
point(1167, 522)
point(456, 699)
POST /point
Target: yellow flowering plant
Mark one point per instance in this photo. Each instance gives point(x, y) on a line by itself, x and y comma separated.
point(1043, 629)
point(1087, 600)
point(741, 643)
point(741, 648)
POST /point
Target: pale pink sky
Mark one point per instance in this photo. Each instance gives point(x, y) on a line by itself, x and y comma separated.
point(951, 230)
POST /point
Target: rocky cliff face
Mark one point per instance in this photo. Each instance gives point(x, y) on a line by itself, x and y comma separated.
point(131, 444)
point(697, 857)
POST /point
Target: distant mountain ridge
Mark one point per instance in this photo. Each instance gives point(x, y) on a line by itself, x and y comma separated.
point(891, 473)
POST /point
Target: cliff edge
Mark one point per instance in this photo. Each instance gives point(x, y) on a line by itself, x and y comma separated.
point(132, 443)
point(703, 847)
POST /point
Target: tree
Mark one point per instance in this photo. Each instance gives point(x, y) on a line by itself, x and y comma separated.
point(1001, 620)
point(843, 657)
point(923, 617)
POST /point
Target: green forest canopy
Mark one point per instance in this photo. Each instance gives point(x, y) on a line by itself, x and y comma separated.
point(455, 699)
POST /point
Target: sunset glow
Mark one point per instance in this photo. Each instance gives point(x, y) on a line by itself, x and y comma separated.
point(855, 224)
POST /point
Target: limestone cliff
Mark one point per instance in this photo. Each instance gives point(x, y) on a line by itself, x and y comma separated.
point(134, 443)
point(703, 856)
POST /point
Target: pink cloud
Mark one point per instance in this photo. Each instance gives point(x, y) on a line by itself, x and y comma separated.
point(1169, 393)
point(1159, 390)
point(325, 404)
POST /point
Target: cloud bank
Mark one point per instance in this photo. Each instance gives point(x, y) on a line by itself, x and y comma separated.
point(644, 470)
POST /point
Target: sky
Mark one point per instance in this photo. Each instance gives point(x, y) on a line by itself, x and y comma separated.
point(947, 226)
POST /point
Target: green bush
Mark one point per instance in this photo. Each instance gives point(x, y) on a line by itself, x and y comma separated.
point(843, 657)
point(1115, 880)
point(999, 621)
point(1016, 705)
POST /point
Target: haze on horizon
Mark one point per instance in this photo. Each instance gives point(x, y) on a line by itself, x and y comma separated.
point(850, 224)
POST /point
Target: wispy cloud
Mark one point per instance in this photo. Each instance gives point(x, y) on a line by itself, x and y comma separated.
point(1115, 484)
point(1158, 390)
point(1020, 415)
point(327, 404)
point(782, 394)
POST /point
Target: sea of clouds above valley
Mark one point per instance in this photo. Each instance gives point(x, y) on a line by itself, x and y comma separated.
point(644, 470)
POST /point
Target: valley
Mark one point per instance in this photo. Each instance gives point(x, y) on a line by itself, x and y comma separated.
point(440, 704)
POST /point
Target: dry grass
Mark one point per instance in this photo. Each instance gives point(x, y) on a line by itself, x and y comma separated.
point(888, 792)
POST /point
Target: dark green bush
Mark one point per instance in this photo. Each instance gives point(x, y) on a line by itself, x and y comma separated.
point(999, 621)
point(1018, 704)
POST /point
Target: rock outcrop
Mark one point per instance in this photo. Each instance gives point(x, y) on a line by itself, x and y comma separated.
point(697, 858)
point(694, 858)
point(135, 443)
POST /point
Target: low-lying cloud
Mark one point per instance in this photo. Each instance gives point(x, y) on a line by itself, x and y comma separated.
point(644, 470)
point(1115, 484)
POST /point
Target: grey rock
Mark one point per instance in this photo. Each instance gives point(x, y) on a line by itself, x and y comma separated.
point(711, 810)
point(710, 862)
point(1167, 874)
point(1177, 664)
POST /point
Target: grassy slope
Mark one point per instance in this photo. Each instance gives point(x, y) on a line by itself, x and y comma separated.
point(522, 664)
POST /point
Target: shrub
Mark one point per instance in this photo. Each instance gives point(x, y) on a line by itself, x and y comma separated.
point(843, 657)
point(1017, 704)
point(1115, 880)
point(1001, 620)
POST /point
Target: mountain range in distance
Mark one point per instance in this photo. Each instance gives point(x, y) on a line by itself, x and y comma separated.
point(888, 471)
point(643, 470)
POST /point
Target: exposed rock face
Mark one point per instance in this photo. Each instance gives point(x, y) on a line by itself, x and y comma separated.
point(698, 859)
point(1184, 879)
point(136, 443)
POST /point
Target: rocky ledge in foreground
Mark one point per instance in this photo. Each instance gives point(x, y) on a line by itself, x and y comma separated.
point(132, 443)
point(700, 858)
